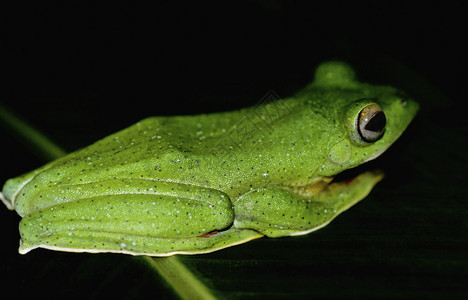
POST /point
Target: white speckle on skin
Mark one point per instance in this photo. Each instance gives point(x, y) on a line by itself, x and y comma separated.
point(123, 245)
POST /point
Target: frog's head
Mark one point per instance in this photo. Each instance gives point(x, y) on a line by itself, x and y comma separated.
point(364, 121)
point(344, 123)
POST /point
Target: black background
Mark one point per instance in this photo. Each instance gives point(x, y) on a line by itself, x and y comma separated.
point(81, 71)
point(119, 63)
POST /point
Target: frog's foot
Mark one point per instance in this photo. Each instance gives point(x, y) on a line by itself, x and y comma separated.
point(338, 196)
point(279, 211)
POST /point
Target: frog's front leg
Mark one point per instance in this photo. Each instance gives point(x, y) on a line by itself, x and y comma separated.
point(136, 221)
point(278, 211)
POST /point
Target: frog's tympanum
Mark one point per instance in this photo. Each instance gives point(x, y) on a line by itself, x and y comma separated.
point(196, 184)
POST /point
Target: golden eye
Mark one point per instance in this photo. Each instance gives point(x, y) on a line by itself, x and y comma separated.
point(371, 123)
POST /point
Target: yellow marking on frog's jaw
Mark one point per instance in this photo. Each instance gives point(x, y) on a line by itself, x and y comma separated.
point(314, 187)
point(325, 184)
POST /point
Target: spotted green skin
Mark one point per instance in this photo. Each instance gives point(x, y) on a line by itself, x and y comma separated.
point(196, 184)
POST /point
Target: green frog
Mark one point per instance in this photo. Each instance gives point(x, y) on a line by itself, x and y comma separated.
point(197, 184)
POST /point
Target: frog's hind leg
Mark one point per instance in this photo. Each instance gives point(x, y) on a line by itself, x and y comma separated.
point(137, 224)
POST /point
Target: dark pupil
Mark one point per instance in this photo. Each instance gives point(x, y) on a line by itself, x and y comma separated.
point(377, 123)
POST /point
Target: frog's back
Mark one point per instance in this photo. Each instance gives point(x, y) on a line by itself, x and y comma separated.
point(145, 142)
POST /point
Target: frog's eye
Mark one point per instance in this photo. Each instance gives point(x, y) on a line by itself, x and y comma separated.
point(371, 123)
